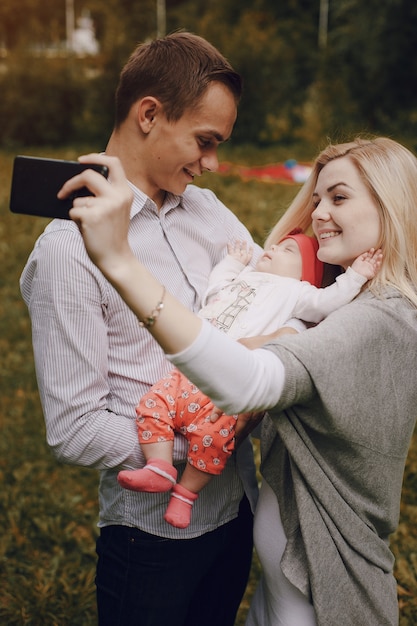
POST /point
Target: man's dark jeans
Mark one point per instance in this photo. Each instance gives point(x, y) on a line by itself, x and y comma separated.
point(144, 580)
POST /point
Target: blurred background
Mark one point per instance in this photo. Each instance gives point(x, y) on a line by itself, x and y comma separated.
point(312, 68)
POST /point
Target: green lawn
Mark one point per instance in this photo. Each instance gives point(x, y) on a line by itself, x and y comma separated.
point(48, 511)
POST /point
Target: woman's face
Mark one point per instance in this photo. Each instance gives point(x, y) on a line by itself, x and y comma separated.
point(346, 219)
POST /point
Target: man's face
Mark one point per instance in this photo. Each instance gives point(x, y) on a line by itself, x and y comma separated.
point(178, 151)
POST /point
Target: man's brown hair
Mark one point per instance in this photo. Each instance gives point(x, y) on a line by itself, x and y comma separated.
point(176, 69)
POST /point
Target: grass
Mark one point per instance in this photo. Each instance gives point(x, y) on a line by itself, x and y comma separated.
point(48, 512)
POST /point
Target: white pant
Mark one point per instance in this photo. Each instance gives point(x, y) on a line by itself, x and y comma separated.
point(276, 601)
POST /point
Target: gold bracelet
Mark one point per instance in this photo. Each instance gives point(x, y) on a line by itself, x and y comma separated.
point(151, 319)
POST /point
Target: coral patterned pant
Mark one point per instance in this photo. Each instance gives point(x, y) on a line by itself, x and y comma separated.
point(174, 404)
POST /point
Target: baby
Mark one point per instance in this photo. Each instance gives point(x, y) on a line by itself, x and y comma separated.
point(243, 302)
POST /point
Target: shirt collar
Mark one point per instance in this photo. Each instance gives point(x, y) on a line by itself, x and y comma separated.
point(140, 200)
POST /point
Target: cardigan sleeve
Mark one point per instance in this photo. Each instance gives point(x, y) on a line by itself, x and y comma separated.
point(334, 449)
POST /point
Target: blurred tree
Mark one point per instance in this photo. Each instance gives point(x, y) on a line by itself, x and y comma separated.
point(363, 79)
point(31, 23)
point(40, 103)
point(117, 22)
point(274, 46)
point(369, 69)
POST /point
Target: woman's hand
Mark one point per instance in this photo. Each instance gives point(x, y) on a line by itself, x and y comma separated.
point(246, 423)
point(103, 218)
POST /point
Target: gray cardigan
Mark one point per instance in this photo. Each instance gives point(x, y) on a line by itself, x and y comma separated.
point(338, 441)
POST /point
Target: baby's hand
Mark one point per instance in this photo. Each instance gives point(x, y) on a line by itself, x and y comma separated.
point(369, 263)
point(240, 251)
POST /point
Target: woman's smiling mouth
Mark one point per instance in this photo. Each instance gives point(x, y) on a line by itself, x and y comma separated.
point(328, 234)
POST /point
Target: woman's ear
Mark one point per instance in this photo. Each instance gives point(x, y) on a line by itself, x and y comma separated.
point(147, 111)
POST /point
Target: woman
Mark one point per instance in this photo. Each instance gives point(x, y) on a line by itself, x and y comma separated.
point(341, 397)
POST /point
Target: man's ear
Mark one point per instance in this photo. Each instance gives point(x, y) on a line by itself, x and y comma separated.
point(147, 111)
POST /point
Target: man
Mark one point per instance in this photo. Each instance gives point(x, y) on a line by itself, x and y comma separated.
point(176, 102)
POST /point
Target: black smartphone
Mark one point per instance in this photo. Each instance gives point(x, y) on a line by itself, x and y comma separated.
point(36, 182)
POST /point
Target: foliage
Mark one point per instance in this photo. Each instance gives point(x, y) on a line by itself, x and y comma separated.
point(48, 512)
point(39, 102)
point(55, 101)
point(369, 66)
point(361, 81)
point(275, 59)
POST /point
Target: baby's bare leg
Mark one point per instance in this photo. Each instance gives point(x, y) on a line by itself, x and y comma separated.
point(194, 479)
point(158, 450)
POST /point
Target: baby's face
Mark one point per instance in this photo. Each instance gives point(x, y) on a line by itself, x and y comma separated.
point(283, 259)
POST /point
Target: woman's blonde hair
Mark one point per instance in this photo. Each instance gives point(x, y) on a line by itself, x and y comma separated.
point(389, 170)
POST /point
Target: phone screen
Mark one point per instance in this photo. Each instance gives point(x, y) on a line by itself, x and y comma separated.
point(36, 182)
